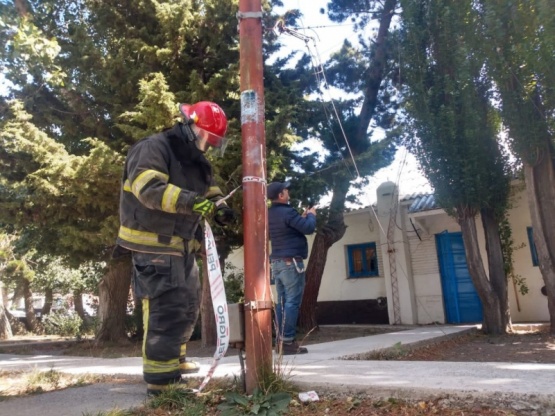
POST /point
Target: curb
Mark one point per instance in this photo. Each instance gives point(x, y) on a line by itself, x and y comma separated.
point(409, 347)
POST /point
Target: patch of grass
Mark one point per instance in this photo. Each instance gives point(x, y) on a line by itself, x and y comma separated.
point(38, 380)
point(395, 352)
point(19, 383)
point(187, 403)
point(113, 412)
point(258, 403)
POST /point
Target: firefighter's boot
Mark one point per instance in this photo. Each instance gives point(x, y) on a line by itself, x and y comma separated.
point(187, 367)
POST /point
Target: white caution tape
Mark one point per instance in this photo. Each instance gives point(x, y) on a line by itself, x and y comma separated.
point(229, 195)
point(219, 301)
point(247, 179)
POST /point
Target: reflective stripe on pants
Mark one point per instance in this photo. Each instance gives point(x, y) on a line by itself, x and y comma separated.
point(170, 291)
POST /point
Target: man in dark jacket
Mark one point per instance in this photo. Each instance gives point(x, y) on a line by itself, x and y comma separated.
point(167, 188)
point(289, 250)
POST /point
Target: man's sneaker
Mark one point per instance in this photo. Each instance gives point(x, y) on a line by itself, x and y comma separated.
point(292, 348)
point(156, 389)
point(188, 367)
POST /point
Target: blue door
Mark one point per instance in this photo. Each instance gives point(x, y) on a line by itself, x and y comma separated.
point(462, 304)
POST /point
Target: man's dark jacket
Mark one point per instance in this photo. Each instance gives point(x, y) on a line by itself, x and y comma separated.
point(287, 231)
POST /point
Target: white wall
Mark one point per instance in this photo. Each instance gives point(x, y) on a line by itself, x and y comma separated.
point(362, 227)
point(425, 265)
point(427, 284)
point(533, 305)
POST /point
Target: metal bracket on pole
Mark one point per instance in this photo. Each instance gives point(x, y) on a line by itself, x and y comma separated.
point(249, 15)
point(258, 305)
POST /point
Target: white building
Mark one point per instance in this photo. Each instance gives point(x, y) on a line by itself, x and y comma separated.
point(403, 262)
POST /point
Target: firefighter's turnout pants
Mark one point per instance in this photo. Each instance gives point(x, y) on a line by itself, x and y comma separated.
point(170, 291)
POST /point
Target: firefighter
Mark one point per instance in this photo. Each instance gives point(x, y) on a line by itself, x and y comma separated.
point(167, 189)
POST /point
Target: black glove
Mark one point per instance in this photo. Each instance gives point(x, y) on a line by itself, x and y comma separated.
point(224, 215)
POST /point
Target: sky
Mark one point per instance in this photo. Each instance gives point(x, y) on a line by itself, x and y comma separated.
point(328, 37)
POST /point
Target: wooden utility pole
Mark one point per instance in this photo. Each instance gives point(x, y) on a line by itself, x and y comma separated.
point(258, 305)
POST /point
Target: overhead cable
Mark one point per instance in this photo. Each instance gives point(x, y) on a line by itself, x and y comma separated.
point(320, 75)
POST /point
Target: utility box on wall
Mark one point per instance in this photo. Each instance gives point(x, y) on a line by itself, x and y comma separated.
point(236, 314)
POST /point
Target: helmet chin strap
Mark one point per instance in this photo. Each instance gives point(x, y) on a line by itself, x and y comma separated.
point(187, 131)
point(190, 139)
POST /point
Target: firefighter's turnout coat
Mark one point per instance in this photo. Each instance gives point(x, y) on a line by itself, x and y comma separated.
point(163, 174)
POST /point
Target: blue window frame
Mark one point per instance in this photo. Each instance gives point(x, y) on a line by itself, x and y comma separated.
point(363, 260)
point(533, 251)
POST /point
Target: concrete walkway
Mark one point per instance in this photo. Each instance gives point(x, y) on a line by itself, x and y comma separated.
point(321, 370)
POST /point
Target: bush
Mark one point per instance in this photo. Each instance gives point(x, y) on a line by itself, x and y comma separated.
point(62, 323)
point(234, 283)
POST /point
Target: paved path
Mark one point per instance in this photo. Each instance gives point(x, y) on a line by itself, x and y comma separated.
point(320, 370)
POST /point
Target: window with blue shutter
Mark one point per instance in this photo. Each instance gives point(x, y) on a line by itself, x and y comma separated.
point(533, 251)
point(363, 260)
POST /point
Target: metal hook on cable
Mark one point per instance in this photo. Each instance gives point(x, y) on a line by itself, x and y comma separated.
point(281, 28)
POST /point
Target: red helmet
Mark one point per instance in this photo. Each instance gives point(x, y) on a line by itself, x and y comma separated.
point(209, 123)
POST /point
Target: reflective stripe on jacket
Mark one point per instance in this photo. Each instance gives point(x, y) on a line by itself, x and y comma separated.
point(158, 191)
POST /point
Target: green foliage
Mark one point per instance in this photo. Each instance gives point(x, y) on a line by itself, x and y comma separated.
point(66, 203)
point(50, 377)
point(508, 246)
point(62, 323)
point(454, 125)
point(519, 47)
point(234, 283)
point(178, 399)
point(30, 52)
point(156, 110)
point(87, 80)
point(256, 404)
point(18, 270)
point(54, 273)
point(15, 268)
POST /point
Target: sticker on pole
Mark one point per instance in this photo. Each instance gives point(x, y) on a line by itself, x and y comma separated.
point(219, 301)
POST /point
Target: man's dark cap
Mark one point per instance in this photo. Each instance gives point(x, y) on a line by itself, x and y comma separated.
point(275, 188)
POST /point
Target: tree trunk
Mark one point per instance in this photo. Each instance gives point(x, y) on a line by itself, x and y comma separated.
point(375, 73)
point(78, 304)
point(31, 319)
point(113, 293)
point(5, 327)
point(335, 228)
point(332, 232)
point(48, 297)
point(4, 294)
point(540, 187)
point(492, 320)
point(137, 318)
point(22, 7)
point(496, 265)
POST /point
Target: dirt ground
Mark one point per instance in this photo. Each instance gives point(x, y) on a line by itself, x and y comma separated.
point(525, 344)
point(53, 345)
point(521, 347)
